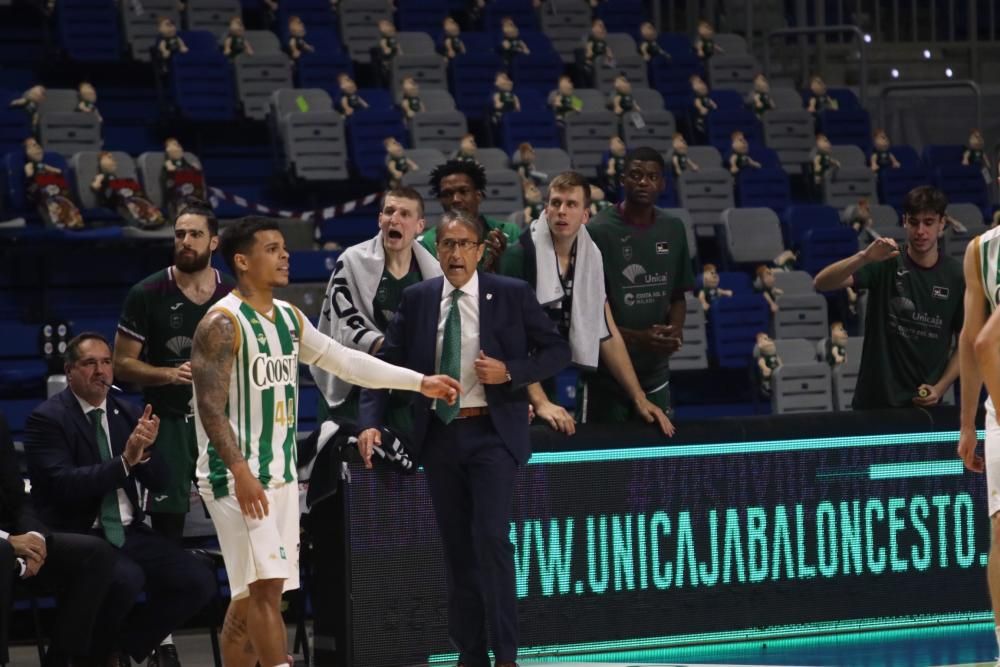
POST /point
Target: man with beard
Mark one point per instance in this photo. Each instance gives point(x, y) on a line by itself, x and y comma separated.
point(647, 269)
point(461, 186)
point(915, 309)
point(364, 293)
point(153, 350)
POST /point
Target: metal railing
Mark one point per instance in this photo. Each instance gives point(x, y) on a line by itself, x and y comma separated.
point(804, 54)
point(929, 85)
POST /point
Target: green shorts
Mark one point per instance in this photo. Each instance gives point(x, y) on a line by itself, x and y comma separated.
point(599, 403)
point(177, 443)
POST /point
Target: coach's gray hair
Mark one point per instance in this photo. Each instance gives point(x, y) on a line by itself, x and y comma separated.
point(463, 218)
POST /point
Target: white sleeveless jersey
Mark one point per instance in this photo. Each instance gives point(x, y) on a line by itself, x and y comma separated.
point(263, 398)
point(989, 273)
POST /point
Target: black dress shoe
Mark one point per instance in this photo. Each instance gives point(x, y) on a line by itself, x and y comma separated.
point(165, 655)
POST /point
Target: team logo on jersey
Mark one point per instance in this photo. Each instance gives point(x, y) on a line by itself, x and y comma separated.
point(633, 272)
point(179, 345)
point(627, 253)
point(262, 339)
point(177, 305)
point(281, 550)
point(176, 321)
point(663, 247)
point(940, 292)
point(267, 371)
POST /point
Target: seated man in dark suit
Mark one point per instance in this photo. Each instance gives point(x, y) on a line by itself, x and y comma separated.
point(489, 333)
point(87, 456)
point(78, 568)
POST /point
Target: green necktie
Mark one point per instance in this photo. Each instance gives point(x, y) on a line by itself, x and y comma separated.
point(451, 356)
point(111, 518)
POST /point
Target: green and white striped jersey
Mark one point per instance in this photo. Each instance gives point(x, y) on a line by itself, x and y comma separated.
point(263, 397)
point(264, 390)
point(989, 263)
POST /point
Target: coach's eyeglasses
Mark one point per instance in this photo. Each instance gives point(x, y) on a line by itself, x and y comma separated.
point(464, 245)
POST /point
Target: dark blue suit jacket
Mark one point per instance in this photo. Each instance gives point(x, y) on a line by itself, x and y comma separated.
point(512, 328)
point(68, 478)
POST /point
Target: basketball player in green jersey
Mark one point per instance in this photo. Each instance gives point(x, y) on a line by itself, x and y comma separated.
point(244, 365)
point(979, 362)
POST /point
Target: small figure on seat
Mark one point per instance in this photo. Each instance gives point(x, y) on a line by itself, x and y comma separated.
point(703, 102)
point(764, 283)
point(533, 205)
point(297, 44)
point(396, 162)
point(597, 47)
point(564, 101)
point(710, 290)
point(504, 99)
point(836, 345)
point(649, 48)
point(466, 150)
point(768, 361)
point(740, 158)
point(882, 157)
point(46, 187)
point(680, 160)
point(124, 195)
point(820, 100)
point(762, 102)
point(350, 100)
point(411, 102)
point(168, 43)
point(388, 46)
point(180, 179)
point(597, 200)
point(236, 42)
point(87, 100)
point(615, 165)
point(511, 45)
point(823, 161)
point(452, 45)
point(31, 101)
point(705, 45)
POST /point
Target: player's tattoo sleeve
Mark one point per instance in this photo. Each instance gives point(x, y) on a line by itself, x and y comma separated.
point(211, 367)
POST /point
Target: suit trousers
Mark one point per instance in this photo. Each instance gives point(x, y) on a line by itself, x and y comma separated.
point(78, 570)
point(177, 586)
point(471, 476)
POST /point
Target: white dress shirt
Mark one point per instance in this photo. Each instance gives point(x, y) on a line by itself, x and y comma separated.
point(473, 394)
point(124, 504)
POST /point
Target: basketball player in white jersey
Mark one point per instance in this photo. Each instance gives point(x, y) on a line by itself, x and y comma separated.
point(244, 362)
point(979, 359)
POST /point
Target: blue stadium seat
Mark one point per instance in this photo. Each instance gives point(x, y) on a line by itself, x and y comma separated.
point(88, 30)
point(823, 246)
point(737, 281)
point(314, 14)
point(14, 180)
point(937, 155)
point(538, 127)
point(321, 69)
point(893, 184)
point(678, 45)
point(15, 124)
point(471, 80)
point(621, 15)
point(962, 184)
point(365, 133)
point(312, 265)
point(721, 124)
point(733, 324)
point(200, 41)
point(846, 99)
point(423, 16)
point(672, 80)
point(538, 71)
point(906, 155)
point(202, 87)
point(726, 100)
point(324, 39)
point(763, 188)
point(17, 410)
point(845, 127)
point(521, 11)
point(800, 219)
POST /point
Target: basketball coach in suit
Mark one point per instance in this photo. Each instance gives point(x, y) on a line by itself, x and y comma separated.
point(88, 454)
point(488, 332)
point(77, 568)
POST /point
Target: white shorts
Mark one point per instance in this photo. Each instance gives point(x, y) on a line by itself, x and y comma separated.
point(991, 455)
point(255, 549)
